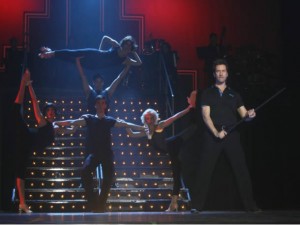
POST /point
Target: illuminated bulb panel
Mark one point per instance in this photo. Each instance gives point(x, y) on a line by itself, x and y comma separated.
point(140, 173)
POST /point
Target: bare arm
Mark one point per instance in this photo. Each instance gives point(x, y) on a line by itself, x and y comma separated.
point(69, 123)
point(138, 60)
point(86, 87)
point(25, 79)
point(112, 88)
point(139, 130)
point(192, 98)
point(247, 115)
point(64, 130)
point(172, 119)
point(108, 40)
point(123, 123)
point(134, 62)
point(135, 134)
point(209, 123)
point(68, 126)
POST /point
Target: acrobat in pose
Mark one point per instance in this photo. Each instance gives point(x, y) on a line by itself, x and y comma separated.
point(92, 58)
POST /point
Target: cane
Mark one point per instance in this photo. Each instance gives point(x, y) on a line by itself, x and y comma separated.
point(257, 108)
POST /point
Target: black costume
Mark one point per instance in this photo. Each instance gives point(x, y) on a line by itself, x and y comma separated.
point(92, 58)
point(172, 146)
point(98, 146)
point(223, 112)
point(190, 151)
point(28, 140)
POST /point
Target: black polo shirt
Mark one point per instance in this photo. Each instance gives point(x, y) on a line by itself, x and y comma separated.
point(223, 106)
point(98, 135)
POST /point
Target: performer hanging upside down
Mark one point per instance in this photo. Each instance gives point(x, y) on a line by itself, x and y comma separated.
point(93, 58)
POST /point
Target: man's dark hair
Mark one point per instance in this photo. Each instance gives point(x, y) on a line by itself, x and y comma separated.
point(219, 62)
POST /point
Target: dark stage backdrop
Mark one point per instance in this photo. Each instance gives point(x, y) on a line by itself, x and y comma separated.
point(186, 25)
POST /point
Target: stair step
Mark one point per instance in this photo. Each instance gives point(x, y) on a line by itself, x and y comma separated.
point(76, 181)
point(143, 176)
point(112, 205)
point(121, 172)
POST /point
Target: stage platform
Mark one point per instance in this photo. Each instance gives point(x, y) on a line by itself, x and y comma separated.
point(205, 217)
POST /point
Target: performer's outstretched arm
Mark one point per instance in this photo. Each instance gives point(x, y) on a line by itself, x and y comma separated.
point(108, 40)
point(112, 88)
point(86, 87)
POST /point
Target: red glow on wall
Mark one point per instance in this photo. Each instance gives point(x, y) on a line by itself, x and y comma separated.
point(12, 16)
point(187, 24)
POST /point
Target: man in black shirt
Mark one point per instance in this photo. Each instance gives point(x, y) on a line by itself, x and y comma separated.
point(98, 143)
point(220, 106)
point(92, 92)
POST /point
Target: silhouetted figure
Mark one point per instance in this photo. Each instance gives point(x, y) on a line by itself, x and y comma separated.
point(214, 50)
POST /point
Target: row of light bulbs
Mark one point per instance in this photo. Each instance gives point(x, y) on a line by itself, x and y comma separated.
point(72, 163)
point(60, 174)
point(126, 185)
point(79, 102)
point(81, 153)
point(82, 196)
point(80, 108)
point(110, 207)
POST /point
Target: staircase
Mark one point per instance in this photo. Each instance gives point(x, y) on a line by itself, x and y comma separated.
point(143, 176)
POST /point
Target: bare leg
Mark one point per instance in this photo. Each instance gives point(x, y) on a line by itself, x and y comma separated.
point(25, 78)
point(174, 204)
point(21, 191)
point(20, 183)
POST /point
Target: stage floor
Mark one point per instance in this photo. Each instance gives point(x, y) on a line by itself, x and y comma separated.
point(205, 217)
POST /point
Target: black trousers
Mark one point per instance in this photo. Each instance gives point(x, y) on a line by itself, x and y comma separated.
point(174, 147)
point(209, 154)
point(189, 158)
point(92, 58)
point(96, 201)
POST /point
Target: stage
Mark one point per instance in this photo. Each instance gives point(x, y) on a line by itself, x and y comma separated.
point(205, 217)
